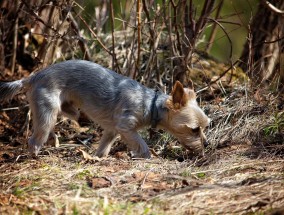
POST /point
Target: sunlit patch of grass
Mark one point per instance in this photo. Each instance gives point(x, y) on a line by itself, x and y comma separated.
point(185, 173)
point(73, 186)
point(276, 126)
point(75, 211)
point(127, 208)
point(201, 175)
point(20, 190)
point(17, 191)
point(83, 174)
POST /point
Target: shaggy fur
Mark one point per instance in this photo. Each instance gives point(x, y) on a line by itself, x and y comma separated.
point(119, 104)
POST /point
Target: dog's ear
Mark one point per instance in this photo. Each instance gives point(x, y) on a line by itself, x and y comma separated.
point(179, 96)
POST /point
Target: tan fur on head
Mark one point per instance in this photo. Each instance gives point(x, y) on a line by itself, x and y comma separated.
point(180, 96)
point(186, 120)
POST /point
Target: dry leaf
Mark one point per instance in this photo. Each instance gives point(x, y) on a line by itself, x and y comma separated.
point(88, 157)
point(100, 182)
point(121, 155)
point(149, 176)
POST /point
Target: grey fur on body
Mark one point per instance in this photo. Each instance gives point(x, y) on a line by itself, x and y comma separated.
point(119, 104)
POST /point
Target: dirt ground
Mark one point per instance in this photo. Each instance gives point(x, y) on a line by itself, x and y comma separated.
point(241, 173)
point(62, 181)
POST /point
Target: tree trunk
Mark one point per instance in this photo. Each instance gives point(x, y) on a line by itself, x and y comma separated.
point(261, 57)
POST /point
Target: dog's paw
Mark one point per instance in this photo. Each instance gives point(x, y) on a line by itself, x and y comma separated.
point(100, 154)
point(145, 155)
point(34, 149)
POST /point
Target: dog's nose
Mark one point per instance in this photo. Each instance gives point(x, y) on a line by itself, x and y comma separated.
point(206, 144)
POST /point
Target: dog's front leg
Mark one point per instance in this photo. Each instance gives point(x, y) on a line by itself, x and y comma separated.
point(136, 144)
point(106, 142)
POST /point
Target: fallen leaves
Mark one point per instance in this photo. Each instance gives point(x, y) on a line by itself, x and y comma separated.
point(88, 157)
point(99, 182)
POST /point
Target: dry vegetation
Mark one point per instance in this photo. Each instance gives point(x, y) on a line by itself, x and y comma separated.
point(241, 173)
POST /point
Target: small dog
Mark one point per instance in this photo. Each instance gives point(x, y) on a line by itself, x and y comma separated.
point(119, 104)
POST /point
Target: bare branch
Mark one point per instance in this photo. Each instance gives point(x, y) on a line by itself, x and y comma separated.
point(95, 35)
point(138, 14)
point(31, 12)
point(214, 28)
point(112, 33)
point(272, 7)
point(145, 8)
point(222, 27)
point(81, 40)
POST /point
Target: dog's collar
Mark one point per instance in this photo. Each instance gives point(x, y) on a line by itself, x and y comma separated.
point(154, 111)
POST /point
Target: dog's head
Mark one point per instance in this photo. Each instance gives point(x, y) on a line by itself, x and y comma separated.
point(186, 120)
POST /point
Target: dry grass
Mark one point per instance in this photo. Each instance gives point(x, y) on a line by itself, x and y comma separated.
point(54, 185)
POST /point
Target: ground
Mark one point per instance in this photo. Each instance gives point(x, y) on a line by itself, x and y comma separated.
point(242, 171)
point(62, 181)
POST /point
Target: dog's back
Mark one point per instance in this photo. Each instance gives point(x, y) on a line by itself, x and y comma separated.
point(84, 85)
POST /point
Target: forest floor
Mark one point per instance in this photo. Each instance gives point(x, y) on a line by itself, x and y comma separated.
point(242, 171)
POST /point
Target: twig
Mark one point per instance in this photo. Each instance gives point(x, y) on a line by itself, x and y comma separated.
point(36, 16)
point(14, 108)
point(206, 10)
point(84, 142)
point(100, 42)
point(81, 40)
point(222, 27)
point(214, 28)
point(15, 40)
point(151, 30)
point(138, 13)
point(168, 23)
point(224, 73)
point(176, 26)
point(267, 42)
point(272, 7)
point(112, 34)
point(95, 35)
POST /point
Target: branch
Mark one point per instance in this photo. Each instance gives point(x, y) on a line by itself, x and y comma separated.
point(207, 9)
point(179, 46)
point(138, 13)
point(222, 27)
point(214, 28)
point(95, 35)
point(272, 7)
point(224, 73)
point(145, 8)
point(37, 17)
point(81, 40)
point(15, 39)
point(112, 33)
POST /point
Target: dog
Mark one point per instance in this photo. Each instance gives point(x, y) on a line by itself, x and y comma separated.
point(119, 104)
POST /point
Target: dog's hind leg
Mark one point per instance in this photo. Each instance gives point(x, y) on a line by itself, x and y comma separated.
point(44, 109)
point(53, 139)
point(70, 111)
point(106, 142)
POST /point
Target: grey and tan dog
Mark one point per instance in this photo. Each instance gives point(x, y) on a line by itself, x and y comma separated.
point(119, 104)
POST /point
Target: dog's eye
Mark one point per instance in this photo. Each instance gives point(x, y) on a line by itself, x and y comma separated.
point(195, 130)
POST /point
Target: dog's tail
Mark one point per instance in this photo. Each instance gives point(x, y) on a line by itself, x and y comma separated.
point(9, 89)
